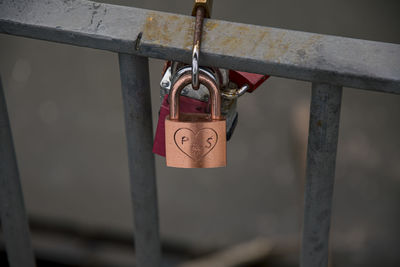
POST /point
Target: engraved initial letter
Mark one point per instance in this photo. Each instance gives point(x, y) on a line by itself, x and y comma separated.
point(208, 141)
point(184, 139)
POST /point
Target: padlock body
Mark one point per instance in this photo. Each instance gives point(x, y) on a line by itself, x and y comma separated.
point(195, 141)
point(188, 105)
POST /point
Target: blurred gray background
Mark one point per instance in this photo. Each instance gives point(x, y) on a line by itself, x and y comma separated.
point(66, 114)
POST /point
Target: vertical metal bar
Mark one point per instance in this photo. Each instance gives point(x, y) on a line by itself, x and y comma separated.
point(321, 158)
point(13, 215)
point(135, 83)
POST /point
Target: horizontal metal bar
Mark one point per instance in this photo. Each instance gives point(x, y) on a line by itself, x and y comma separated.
point(14, 221)
point(291, 54)
point(321, 158)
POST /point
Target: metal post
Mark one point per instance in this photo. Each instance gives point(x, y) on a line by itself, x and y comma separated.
point(13, 215)
point(321, 158)
point(139, 132)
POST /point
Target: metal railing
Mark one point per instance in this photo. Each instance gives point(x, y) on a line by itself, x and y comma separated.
point(329, 62)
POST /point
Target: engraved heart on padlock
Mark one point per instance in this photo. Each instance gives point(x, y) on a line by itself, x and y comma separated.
point(196, 145)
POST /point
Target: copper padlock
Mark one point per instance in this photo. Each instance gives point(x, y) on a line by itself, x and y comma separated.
point(195, 140)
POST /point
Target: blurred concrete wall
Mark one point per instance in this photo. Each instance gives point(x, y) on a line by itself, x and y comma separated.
point(66, 114)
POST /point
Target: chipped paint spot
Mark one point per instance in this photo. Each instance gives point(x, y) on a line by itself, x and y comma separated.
point(309, 45)
point(301, 53)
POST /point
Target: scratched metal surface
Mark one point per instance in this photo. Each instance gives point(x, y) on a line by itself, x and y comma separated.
point(285, 53)
point(66, 115)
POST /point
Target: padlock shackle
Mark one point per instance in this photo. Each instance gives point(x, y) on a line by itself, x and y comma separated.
point(182, 82)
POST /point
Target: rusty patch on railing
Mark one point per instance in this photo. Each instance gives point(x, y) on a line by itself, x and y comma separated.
point(224, 38)
point(168, 30)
